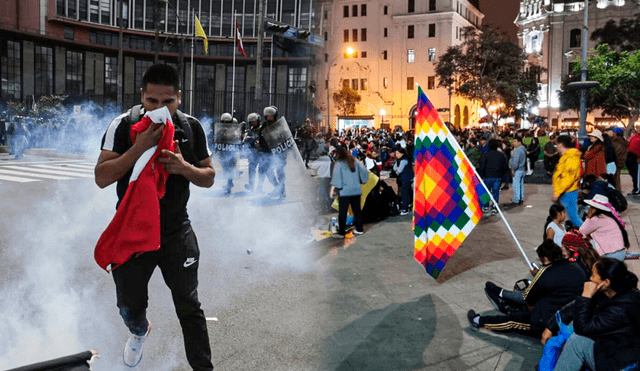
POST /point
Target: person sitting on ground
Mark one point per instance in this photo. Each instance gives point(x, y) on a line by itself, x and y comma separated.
point(577, 248)
point(606, 321)
point(554, 228)
point(556, 284)
point(606, 228)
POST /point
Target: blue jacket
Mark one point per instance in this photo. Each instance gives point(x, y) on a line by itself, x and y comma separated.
point(404, 170)
point(518, 159)
point(348, 182)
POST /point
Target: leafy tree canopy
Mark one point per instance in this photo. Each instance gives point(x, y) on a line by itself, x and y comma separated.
point(618, 73)
point(346, 100)
point(489, 68)
point(621, 35)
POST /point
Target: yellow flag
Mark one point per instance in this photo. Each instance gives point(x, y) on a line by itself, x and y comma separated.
point(200, 33)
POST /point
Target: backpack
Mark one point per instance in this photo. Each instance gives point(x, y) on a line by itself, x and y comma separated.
point(617, 200)
point(134, 117)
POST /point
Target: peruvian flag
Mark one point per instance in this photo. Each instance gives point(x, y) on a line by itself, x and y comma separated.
point(239, 40)
point(136, 226)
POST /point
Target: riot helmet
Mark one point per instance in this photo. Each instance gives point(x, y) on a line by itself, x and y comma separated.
point(226, 117)
point(253, 117)
point(270, 111)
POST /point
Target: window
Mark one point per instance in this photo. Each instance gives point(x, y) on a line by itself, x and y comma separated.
point(111, 77)
point(239, 85)
point(432, 5)
point(75, 73)
point(354, 11)
point(363, 34)
point(410, 31)
point(345, 11)
point(363, 84)
point(141, 66)
point(410, 83)
point(346, 36)
point(385, 32)
point(363, 10)
point(384, 54)
point(385, 10)
point(297, 80)
point(412, 6)
point(326, 57)
point(345, 83)
point(354, 84)
point(431, 82)
point(363, 54)
point(354, 35)
point(432, 30)
point(326, 36)
point(432, 54)
point(43, 70)
point(326, 84)
point(385, 82)
point(10, 71)
point(326, 14)
point(68, 33)
point(574, 38)
point(205, 78)
point(411, 56)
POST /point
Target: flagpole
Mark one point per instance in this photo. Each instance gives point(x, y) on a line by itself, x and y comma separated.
point(193, 36)
point(453, 140)
point(271, 71)
point(233, 79)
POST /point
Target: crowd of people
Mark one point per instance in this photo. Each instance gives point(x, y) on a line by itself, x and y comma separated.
point(582, 278)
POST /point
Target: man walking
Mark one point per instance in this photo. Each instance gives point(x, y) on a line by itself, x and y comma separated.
point(178, 255)
point(518, 165)
point(566, 178)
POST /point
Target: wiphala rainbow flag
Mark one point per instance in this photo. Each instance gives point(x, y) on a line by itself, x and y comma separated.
point(448, 195)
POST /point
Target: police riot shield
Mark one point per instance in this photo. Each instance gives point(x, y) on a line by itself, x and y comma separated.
point(278, 136)
point(227, 137)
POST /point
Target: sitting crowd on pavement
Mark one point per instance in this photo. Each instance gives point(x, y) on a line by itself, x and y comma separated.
point(581, 279)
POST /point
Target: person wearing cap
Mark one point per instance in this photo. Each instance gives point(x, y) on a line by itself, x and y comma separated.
point(605, 227)
point(594, 157)
point(620, 146)
point(566, 178)
point(633, 158)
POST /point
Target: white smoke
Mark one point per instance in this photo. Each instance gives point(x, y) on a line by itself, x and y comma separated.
point(55, 301)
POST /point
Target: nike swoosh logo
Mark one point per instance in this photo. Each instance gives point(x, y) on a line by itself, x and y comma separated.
point(189, 262)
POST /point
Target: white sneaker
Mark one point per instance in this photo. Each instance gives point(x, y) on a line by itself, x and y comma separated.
point(358, 233)
point(403, 212)
point(132, 353)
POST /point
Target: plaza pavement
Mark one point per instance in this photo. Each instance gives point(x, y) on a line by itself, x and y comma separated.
point(388, 314)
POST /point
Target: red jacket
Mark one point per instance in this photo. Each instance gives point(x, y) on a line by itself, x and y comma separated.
point(136, 226)
point(634, 144)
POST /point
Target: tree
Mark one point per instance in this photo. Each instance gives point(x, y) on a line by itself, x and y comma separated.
point(618, 73)
point(346, 100)
point(488, 68)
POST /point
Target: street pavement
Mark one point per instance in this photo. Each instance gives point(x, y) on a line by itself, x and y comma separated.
point(275, 299)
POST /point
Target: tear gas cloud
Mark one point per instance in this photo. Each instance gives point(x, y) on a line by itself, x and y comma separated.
point(56, 301)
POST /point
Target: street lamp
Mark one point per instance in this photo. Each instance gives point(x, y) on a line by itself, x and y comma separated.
point(348, 53)
point(382, 113)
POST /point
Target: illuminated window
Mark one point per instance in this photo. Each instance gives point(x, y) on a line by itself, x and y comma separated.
point(411, 56)
point(432, 54)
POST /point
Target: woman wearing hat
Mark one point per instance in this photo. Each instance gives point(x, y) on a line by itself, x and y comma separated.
point(606, 228)
point(595, 162)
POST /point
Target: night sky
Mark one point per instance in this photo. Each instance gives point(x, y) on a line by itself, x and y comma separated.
point(501, 13)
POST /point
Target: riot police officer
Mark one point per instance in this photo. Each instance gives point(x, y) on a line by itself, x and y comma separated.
point(279, 161)
point(228, 158)
point(249, 141)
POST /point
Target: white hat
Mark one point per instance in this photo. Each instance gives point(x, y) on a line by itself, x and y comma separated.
point(599, 202)
point(596, 133)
